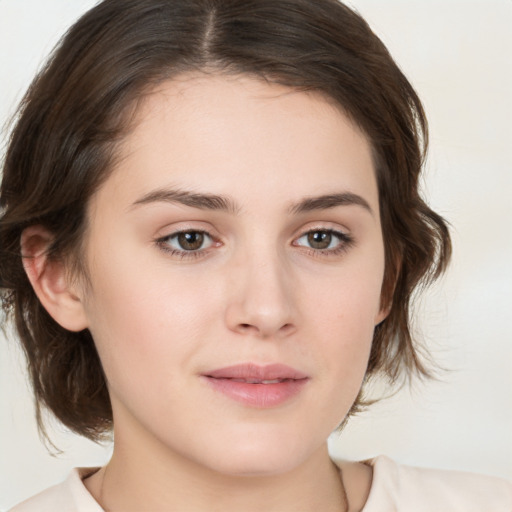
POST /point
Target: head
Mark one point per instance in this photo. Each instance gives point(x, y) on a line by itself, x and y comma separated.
point(98, 101)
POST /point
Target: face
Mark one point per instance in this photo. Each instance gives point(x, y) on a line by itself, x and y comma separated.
point(236, 260)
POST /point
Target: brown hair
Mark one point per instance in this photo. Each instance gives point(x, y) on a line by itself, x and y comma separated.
point(75, 113)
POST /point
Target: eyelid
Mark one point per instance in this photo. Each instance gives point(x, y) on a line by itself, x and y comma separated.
point(322, 226)
point(180, 226)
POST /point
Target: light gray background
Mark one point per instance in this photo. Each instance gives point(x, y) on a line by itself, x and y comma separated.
point(457, 53)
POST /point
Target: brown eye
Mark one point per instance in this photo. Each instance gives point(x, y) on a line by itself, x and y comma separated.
point(187, 244)
point(190, 240)
point(324, 241)
point(319, 239)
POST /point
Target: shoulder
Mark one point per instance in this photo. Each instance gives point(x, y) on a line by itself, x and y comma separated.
point(68, 496)
point(398, 487)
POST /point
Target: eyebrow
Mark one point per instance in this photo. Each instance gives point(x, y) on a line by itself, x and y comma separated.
point(216, 202)
point(192, 199)
point(329, 201)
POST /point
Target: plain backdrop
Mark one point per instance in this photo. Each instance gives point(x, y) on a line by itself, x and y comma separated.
point(457, 55)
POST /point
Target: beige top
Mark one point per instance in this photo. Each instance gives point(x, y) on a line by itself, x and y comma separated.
point(395, 488)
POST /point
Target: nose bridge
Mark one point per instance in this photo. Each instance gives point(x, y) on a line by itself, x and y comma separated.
point(261, 299)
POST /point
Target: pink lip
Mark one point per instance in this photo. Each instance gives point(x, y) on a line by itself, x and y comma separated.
point(245, 383)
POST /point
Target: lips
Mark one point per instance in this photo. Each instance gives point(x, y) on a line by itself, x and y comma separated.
point(257, 386)
point(257, 373)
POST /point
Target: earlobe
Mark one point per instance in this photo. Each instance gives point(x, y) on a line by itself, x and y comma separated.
point(382, 315)
point(386, 304)
point(387, 294)
point(50, 280)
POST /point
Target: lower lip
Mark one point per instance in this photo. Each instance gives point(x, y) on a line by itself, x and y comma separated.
point(261, 396)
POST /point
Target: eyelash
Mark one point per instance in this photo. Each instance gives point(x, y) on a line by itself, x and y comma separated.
point(345, 242)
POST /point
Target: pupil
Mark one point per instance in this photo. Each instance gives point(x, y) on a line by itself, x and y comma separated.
point(191, 241)
point(319, 239)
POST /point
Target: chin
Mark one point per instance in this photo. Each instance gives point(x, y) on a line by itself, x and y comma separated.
point(255, 465)
point(262, 454)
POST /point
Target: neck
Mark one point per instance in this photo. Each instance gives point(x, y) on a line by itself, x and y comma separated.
point(140, 481)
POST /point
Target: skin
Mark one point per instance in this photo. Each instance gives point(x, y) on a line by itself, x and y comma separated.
point(256, 291)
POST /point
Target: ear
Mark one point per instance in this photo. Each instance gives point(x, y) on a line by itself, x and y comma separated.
point(388, 290)
point(382, 314)
point(50, 280)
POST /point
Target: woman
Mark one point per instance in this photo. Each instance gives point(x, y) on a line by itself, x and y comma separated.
point(220, 227)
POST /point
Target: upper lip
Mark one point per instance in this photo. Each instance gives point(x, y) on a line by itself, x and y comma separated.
point(255, 372)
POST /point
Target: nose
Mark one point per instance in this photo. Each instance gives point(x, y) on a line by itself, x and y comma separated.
point(262, 297)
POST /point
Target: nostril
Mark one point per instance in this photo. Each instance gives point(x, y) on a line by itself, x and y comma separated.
point(287, 328)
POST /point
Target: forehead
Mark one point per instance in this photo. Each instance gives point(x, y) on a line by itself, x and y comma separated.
point(243, 136)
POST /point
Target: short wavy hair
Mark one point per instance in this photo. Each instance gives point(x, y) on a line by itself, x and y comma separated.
point(80, 106)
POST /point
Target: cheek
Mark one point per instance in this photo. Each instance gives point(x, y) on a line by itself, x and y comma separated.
point(149, 335)
point(342, 311)
point(341, 325)
point(143, 316)
point(346, 300)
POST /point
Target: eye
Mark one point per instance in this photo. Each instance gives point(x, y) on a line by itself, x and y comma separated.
point(186, 241)
point(326, 240)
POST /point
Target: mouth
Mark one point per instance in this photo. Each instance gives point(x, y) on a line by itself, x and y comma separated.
point(257, 386)
point(256, 381)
